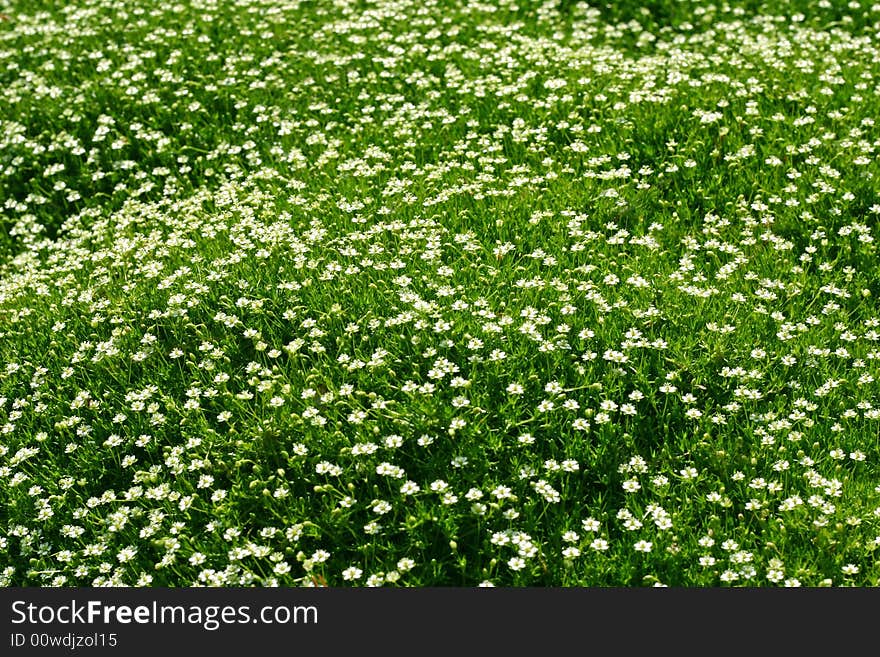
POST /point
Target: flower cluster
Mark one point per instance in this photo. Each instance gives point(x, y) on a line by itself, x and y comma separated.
point(414, 294)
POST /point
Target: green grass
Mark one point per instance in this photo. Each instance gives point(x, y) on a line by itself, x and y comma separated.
point(439, 294)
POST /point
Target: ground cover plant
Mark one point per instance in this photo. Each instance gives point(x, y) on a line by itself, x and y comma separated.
point(439, 293)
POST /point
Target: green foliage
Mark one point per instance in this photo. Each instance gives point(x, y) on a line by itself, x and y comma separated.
point(439, 293)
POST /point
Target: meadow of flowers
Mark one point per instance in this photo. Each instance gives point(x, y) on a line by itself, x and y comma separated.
point(439, 293)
